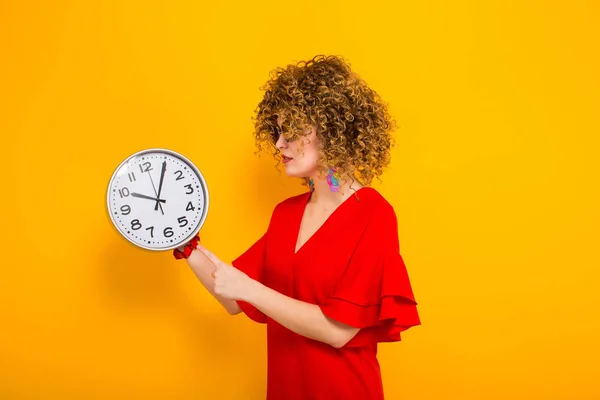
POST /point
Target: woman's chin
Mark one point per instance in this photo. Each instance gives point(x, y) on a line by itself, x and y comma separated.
point(294, 173)
point(297, 171)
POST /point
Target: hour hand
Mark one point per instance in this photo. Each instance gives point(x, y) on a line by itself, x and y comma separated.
point(143, 196)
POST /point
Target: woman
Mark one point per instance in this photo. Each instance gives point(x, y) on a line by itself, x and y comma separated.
point(326, 277)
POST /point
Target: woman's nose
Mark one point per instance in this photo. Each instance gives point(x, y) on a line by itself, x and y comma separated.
point(281, 143)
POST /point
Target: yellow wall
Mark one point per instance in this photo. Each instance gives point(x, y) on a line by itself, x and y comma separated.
point(495, 182)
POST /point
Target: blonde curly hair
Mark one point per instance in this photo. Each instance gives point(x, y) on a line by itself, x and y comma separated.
point(352, 123)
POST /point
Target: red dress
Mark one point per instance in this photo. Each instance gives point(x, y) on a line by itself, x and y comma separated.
point(352, 268)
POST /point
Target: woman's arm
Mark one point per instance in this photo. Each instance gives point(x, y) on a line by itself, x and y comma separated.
point(203, 268)
point(303, 318)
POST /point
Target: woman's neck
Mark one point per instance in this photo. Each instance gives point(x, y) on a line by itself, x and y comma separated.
point(324, 196)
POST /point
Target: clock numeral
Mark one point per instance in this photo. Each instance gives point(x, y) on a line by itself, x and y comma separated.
point(151, 229)
point(131, 176)
point(180, 173)
point(147, 167)
point(124, 192)
point(168, 232)
point(182, 220)
point(125, 209)
point(190, 207)
point(135, 224)
point(189, 186)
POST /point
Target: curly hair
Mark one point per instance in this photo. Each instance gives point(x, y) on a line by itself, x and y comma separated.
point(353, 123)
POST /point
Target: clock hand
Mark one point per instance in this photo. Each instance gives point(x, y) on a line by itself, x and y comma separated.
point(154, 187)
point(162, 178)
point(143, 196)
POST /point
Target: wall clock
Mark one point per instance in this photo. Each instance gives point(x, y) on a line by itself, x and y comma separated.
point(157, 199)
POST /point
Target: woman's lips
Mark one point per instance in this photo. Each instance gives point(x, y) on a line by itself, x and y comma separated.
point(285, 159)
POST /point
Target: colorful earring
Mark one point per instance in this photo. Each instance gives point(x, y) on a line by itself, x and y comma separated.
point(332, 180)
point(311, 184)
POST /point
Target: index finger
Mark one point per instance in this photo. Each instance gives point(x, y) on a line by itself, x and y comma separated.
point(214, 259)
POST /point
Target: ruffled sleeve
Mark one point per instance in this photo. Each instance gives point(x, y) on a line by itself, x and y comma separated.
point(252, 262)
point(375, 293)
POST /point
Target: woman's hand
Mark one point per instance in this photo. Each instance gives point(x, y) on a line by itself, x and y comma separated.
point(230, 282)
point(304, 318)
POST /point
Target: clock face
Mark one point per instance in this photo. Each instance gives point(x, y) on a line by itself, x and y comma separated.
point(157, 199)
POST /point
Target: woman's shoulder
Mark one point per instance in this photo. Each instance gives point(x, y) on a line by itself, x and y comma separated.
point(379, 220)
point(374, 201)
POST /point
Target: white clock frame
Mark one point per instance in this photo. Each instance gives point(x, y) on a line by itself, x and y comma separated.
point(111, 190)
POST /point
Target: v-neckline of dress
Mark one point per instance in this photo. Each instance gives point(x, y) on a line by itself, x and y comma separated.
point(302, 210)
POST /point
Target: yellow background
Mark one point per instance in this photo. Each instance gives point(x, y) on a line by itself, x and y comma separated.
point(494, 179)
